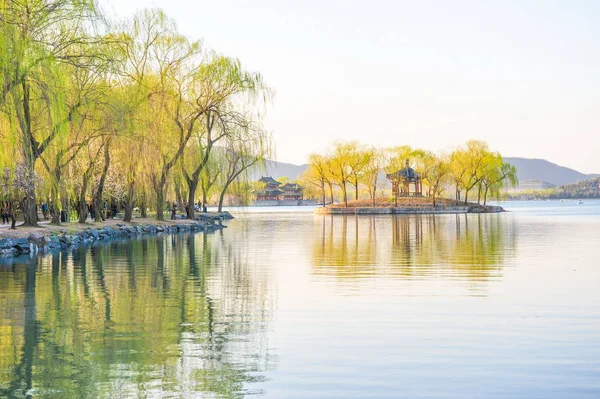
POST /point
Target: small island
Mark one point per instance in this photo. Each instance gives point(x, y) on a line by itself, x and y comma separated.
point(477, 169)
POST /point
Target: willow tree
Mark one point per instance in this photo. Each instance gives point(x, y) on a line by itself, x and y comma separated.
point(370, 173)
point(340, 166)
point(88, 120)
point(475, 154)
point(158, 69)
point(246, 148)
point(316, 173)
point(222, 92)
point(36, 38)
point(458, 170)
point(319, 174)
point(211, 172)
point(180, 104)
point(496, 175)
point(435, 172)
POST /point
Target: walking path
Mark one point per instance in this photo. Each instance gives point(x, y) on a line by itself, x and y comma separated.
point(7, 225)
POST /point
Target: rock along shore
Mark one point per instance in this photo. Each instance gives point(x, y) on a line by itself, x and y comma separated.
point(416, 210)
point(39, 241)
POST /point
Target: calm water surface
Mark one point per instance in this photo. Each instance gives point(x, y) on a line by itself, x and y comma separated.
point(293, 305)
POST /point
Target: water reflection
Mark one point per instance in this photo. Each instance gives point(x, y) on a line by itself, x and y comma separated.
point(474, 247)
point(161, 316)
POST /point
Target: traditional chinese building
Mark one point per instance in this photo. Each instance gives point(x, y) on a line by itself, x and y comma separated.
point(403, 179)
point(275, 191)
point(292, 191)
point(271, 190)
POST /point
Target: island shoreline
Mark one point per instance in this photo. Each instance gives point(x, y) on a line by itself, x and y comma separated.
point(424, 210)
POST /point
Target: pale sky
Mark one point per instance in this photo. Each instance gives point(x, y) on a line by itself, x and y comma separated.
point(522, 75)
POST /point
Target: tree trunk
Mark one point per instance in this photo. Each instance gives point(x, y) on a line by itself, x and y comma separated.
point(222, 197)
point(485, 195)
point(345, 194)
point(230, 180)
point(29, 204)
point(65, 204)
point(331, 193)
point(192, 187)
point(178, 197)
point(374, 193)
point(143, 205)
point(13, 221)
point(100, 188)
point(204, 200)
point(53, 207)
point(13, 217)
point(323, 194)
point(82, 206)
point(30, 207)
point(356, 190)
point(82, 209)
point(129, 203)
point(159, 189)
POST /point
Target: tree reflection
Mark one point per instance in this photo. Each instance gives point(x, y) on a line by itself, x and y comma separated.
point(473, 247)
point(162, 316)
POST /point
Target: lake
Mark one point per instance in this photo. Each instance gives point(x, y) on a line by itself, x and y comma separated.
point(286, 304)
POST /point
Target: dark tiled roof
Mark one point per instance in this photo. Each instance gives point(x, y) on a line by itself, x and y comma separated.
point(268, 180)
point(291, 186)
point(407, 173)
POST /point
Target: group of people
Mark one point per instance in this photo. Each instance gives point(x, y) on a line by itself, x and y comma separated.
point(173, 209)
point(105, 212)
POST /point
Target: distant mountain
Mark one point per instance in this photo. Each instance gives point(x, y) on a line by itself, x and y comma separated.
point(545, 171)
point(279, 169)
point(537, 172)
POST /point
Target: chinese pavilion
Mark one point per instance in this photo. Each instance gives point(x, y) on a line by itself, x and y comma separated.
point(401, 181)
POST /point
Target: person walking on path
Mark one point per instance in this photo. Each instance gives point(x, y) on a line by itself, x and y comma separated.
point(45, 210)
point(5, 215)
point(173, 211)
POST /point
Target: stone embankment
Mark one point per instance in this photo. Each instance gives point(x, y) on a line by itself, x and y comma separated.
point(37, 241)
point(414, 210)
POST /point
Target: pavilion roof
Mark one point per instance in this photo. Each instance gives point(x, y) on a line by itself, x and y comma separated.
point(268, 180)
point(406, 173)
point(291, 186)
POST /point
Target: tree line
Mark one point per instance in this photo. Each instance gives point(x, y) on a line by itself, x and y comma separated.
point(470, 170)
point(584, 189)
point(128, 112)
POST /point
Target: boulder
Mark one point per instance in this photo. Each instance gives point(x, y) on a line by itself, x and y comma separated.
point(6, 243)
point(38, 239)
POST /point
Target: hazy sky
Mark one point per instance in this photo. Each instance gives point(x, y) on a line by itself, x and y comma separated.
point(522, 75)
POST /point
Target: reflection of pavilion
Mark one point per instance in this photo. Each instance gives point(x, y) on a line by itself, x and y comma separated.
point(402, 179)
